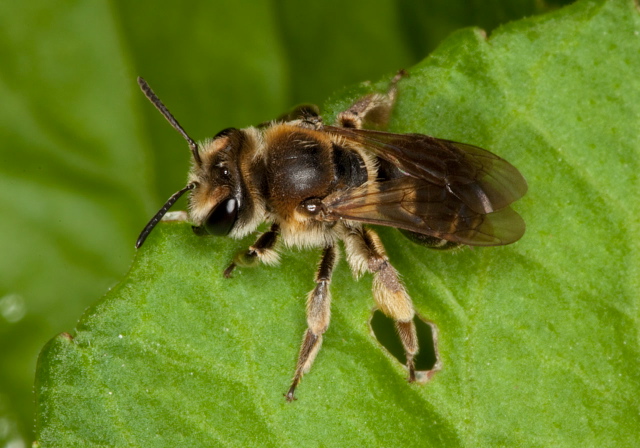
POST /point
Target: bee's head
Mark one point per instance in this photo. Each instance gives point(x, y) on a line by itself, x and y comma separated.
point(217, 193)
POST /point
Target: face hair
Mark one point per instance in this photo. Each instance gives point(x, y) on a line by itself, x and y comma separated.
point(151, 96)
point(158, 216)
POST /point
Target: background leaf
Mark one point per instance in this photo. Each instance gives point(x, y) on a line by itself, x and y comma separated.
point(84, 160)
point(538, 340)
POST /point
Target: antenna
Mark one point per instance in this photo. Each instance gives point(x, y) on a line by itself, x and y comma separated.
point(151, 96)
point(158, 216)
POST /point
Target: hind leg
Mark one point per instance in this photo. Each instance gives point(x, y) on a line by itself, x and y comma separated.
point(365, 252)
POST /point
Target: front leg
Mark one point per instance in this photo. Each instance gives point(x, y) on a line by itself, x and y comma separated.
point(261, 251)
point(318, 316)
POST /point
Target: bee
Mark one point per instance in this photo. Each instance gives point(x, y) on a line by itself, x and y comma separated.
point(317, 185)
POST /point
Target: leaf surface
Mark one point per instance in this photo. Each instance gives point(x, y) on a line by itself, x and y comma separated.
point(538, 340)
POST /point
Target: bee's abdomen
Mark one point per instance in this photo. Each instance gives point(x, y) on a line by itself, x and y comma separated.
point(350, 169)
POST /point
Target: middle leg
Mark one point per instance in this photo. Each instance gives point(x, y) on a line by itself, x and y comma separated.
point(373, 110)
point(318, 316)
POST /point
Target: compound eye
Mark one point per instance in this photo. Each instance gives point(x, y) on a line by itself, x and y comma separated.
point(222, 218)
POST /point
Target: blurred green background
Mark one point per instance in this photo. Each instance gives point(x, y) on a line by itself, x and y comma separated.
point(85, 160)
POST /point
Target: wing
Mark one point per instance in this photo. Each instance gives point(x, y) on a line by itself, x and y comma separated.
point(415, 205)
point(482, 181)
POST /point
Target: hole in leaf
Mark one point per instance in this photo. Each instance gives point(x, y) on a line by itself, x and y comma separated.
point(426, 362)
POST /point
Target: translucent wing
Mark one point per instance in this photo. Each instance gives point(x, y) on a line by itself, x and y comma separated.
point(448, 190)
point(481, 180)
point(418, 206)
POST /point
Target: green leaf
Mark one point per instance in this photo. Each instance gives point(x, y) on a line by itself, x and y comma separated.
point(538, 340)
point(85, 160)
point(70, 185)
